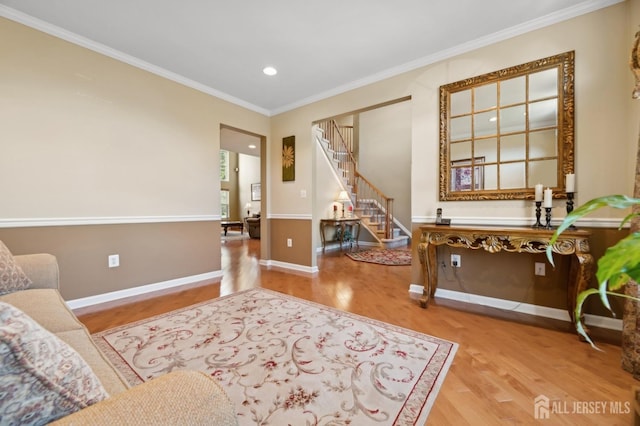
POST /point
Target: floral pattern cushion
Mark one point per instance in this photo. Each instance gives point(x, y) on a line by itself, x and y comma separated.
point(41, 377)
point(12, 278)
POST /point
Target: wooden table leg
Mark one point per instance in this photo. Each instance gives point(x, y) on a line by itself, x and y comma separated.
point(429, 262)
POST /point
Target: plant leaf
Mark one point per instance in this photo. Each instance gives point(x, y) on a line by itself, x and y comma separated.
point(620, 260)
point(627, 219)
point(578, 310)
point(577, 314)
point(615, 201)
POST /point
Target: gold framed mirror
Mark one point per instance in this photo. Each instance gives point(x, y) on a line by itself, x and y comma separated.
point(503, 132)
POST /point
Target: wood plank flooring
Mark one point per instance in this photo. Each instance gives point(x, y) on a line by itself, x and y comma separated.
point(502, 363)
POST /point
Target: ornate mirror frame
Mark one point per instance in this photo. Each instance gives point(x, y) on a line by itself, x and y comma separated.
point(473, 166)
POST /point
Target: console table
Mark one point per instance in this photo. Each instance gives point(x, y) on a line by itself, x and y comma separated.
point(342, 224)
point(574, 243)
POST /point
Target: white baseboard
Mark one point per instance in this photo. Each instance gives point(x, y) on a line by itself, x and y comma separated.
point(334, 246)
point(165, 285)
point(289, 266)
point(143, 289)
point(526, 308)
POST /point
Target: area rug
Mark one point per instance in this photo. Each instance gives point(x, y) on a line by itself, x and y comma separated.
point(286, 361)
point(394, 257)
point(234, 236)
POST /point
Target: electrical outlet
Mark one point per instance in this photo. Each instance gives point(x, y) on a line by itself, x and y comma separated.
point(539, 269)
point(456, 261)
point(289, 242)
point(114, 261)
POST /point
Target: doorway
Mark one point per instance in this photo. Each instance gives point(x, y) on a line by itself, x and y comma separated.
point(242, 172)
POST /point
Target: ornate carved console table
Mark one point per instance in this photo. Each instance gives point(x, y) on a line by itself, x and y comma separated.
point(518, 240)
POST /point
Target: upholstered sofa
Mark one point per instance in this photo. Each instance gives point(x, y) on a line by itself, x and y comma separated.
point(36, 327)
point(253, 226)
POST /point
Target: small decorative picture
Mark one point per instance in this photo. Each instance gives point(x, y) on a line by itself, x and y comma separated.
point(289, 159)
point(461, 177)
point(255, 192)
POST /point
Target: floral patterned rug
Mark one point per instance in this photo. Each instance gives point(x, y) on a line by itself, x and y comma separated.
point(284, 360)
point(383, 256)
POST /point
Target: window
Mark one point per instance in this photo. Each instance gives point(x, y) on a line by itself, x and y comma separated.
point(224, 203)
point(224, 165)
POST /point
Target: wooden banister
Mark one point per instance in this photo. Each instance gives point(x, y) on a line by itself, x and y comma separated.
point(367, 195)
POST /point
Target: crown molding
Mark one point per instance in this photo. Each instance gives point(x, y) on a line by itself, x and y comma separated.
point(559, 16)
point(535, 24)
point(76, 39)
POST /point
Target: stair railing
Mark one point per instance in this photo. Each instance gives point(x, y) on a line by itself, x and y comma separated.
point(367, 195)
point(342, 150)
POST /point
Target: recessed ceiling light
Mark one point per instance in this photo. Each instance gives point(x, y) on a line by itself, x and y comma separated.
point(270, 71)
point(252, 146)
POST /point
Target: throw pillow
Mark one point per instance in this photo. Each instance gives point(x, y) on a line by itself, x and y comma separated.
point(41, 377)
point(12, 278)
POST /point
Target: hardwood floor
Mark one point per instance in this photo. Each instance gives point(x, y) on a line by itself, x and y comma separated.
point(501, 365)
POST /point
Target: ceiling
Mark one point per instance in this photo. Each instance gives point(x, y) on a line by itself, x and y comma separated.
point(320, 48)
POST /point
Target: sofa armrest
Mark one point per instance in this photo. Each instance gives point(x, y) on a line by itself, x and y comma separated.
point(41, 268)
point(177, 398)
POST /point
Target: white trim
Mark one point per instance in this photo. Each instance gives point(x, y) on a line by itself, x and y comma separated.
point(515, 221)
point(535, 24)
point(335, 245)
point(289, 266)
point(603, 322)
point(144, 289)
point(289, 216)
point(79, 40)
point(526, 308)
point(113, 220)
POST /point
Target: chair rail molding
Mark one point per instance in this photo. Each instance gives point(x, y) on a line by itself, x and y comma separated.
point(105, 220)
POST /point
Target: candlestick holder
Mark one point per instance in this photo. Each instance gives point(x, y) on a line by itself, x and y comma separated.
point(570, 206)
point(548, 217)
point(538, 224)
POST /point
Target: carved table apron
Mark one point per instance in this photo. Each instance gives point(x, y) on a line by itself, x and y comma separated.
point(574, 243)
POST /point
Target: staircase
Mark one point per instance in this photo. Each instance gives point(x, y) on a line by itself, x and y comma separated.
point(371, 205)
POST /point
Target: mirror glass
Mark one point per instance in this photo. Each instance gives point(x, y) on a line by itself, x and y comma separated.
point(503, 132)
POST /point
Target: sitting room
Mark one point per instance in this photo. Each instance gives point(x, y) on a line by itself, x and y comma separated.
point(167, 180)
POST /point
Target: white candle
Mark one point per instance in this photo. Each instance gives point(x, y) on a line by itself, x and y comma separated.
point(539, 188)
point(548, 197)
point(571, 182)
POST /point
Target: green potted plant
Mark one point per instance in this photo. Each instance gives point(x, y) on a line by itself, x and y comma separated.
point(620, 263)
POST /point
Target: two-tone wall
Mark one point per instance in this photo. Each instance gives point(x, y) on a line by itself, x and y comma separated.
point(99, 157)
point(606, 128)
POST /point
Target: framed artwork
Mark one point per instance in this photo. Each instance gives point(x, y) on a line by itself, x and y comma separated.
point(461, 177)
point(289, 159)
point(255, 192)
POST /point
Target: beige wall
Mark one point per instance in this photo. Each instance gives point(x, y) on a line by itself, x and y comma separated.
point(607, 123)
point(85, 136)
point(112, 159)
point(385, 154)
